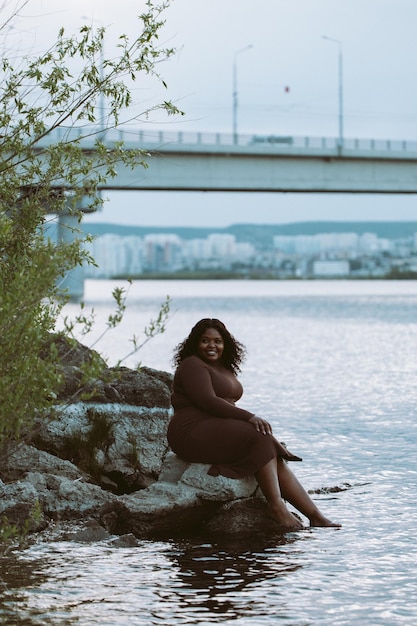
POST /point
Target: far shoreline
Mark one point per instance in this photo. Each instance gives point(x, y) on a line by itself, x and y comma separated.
point(254, 276)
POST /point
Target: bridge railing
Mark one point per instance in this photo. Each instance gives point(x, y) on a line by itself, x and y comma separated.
point(270, 142)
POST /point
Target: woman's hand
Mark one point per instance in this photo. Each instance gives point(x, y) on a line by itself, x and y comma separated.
point(262, 426)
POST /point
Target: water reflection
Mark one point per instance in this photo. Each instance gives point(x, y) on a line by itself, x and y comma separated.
point(227, 579)
point(16, 574)
point(187, 582)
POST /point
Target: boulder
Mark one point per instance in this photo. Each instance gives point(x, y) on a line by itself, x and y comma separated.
point(247, 516)
point(19, 508)
point(185, 499)
point(142, 387)
point(22, 458)
point(39, 480)
point(120, 446)
point(62, 498)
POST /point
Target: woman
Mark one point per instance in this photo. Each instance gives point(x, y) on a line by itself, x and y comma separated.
point(207, 427)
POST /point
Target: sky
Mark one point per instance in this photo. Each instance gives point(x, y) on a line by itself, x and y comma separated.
point(287, 83)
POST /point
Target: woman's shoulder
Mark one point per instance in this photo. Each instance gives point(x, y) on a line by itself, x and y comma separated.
point(191, 361)
point(189, 367)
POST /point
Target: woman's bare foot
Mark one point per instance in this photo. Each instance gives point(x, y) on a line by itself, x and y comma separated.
point(324, 522)
point(285, 518)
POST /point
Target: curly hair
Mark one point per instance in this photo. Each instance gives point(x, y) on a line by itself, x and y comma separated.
point(233, 354)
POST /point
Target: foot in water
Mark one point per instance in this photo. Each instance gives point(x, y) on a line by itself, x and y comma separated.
point(286, 520)
point(322, 522)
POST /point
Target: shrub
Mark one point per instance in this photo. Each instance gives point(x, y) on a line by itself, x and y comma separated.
point(60, 89)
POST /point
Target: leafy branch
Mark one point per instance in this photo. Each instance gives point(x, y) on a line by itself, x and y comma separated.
point(56, 96)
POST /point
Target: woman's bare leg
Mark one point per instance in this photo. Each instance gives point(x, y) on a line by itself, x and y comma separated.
point(295, 494)
point(269, 483)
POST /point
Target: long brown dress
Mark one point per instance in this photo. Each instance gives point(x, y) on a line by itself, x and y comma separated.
point(207, 427)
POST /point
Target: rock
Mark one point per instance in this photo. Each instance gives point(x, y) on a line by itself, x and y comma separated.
point(72, 353)
point(120, 446)
point(92, 532)
point(243, 517)
point(184, 499)
point(20, 458)
point(19, 507)
point(61, 498)
point(165, 377)
point(143, 388)
point(161, 510)
point(217, 488)
point(72, 357)
point(125, 541)
point(172, 468)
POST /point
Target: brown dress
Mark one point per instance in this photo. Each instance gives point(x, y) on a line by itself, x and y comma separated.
point(207, 427)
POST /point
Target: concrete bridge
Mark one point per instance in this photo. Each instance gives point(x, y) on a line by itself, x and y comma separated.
point(184, 161)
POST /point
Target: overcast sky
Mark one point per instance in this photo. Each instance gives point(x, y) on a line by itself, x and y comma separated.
point(287, 84)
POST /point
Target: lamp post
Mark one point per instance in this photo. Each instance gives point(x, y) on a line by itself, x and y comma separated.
point(339, 43)
point(235, 92)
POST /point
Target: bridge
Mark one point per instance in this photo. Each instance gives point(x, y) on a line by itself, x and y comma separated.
point(185, 161)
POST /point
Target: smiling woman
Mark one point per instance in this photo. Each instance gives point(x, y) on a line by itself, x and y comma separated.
point(211, 346)
point(207, 426)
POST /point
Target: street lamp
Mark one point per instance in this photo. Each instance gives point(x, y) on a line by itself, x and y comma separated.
point(235, 93)
point(339, 43)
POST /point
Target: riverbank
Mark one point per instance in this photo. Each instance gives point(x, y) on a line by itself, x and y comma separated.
point(394, 274)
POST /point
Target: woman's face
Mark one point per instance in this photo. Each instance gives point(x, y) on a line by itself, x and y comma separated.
point(210, 346)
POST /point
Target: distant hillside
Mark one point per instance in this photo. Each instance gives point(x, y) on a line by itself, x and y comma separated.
point(261, 234)
point(387, 230)
point(140, 231)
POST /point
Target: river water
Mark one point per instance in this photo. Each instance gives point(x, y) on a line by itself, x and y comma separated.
point(333, 366)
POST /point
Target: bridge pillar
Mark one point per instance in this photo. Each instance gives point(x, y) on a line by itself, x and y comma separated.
point(73, 281)
point(68, 230)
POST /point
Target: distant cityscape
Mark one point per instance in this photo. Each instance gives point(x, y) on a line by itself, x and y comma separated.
point(304, 256)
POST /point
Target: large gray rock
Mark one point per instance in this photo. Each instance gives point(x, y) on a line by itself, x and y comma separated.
point(144, 387)
point(19, 507)
point(22, 458)
point(62, 498)
point(185, 499)
point(121, 446)
point(47, 488)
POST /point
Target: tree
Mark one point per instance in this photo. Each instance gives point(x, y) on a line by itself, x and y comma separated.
point(60, 89)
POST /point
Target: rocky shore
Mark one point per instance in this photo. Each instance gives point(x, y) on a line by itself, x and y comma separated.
point(104, 465)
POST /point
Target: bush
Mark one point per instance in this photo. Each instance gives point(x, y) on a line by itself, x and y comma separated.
point(37, 97)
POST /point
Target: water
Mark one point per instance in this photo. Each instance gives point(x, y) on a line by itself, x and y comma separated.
point(333, 366)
